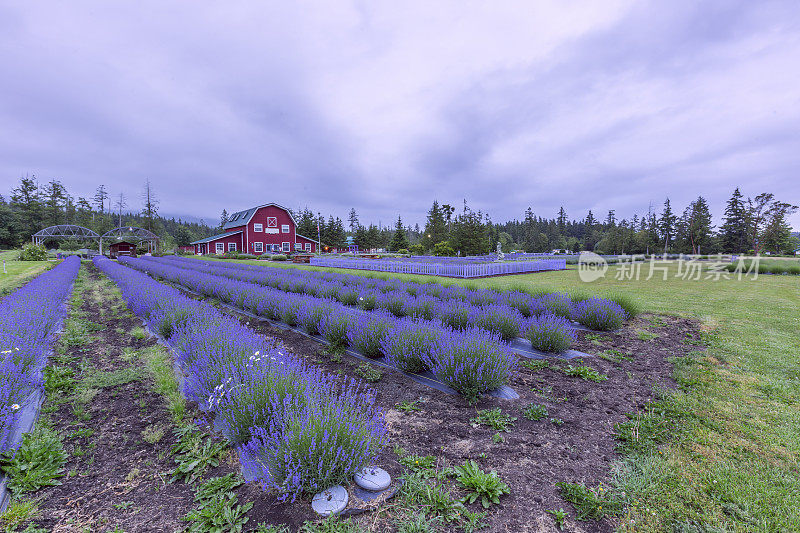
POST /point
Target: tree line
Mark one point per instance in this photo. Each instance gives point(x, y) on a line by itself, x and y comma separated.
point(749, 225)
point(34, 206)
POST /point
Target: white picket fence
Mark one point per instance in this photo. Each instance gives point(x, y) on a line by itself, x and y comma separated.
point(447, 270)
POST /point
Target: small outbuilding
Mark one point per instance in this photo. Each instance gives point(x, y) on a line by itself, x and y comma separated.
point(122, 248)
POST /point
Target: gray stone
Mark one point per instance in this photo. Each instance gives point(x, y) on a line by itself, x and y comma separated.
point(330, 501)
point(373, 478)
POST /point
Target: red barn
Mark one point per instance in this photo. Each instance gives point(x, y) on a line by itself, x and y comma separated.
point(268, 228)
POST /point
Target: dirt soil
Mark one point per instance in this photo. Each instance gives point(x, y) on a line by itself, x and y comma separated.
point(535, 454)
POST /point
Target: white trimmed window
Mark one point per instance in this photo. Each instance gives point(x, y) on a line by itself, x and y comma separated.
point(258, 247)
point(285, 228)
point(231, 246)
point(258, 228)
point(272, 222)
point(220, 247)
point(286, 247)
point(298, 246)
point(308, 247)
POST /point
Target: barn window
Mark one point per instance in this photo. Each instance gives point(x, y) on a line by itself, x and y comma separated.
point(298, 246)
point(286, 247)
point(285, 228)
point(272, 222)
point(308, 247)
point(258, 228)
point(220, 248)
point(231, 246)
point(258, 247)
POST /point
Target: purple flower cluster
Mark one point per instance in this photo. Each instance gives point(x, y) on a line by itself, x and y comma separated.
point(28, 319)
point(366, 331)
point(500, 319)
point(408, 344)
point(598, 314)
point(283, 413)
point(550, 333)
point(471, 362)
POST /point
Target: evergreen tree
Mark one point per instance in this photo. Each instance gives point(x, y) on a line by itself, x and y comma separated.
point(757, 215)
point(733, 232)
point(55, 197)
point(666, 225)
point(100, 197)
point(562, 220)
point(353, 220)
point(435, 227)
point(399, 239)
point(150, 205)
point(777, 233)
point(223, 218)
point(27, 201)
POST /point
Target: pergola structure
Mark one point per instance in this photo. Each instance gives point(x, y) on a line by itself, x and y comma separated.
point(133, 234)
point(63, 232)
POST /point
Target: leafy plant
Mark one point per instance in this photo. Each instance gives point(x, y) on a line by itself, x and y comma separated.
point(421, 465)
point(494, 418)
point(486, 486)
point(409, 407)
point(585, 372)
point(219, 514)
point(194, 454)
point(368, 372)
point(417, 523)
point(558, 516)
point(535, 364)
point(590, 504)
point(39, 462)
point(534, 411)
point(431, 497)
point(497, 438)
point(332, 524)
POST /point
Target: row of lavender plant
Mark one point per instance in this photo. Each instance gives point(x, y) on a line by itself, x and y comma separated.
point(28, 319)
point(474, 269)
point(407, 298)
point(470, 360)
point(298, 429)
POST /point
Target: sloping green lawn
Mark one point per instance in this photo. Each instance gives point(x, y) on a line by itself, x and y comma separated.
point(17, 273)
point(732, 461)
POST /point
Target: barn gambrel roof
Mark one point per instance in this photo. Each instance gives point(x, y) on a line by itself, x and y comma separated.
point(240, 218)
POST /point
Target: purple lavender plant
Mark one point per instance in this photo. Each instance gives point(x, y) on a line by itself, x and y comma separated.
point(422, 307)
point(555, 303)
point(472, 362)
point(366, 331)
point(408, 344)
point(598, 314)
point(316, 444)
point(550, 333)
point(500, 319)
point(453, 314)
point(334, 327)
point(311, 313)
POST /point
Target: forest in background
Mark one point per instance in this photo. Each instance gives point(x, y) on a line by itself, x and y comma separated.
point(749, 224)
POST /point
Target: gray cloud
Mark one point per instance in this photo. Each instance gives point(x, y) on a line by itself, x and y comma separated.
point(597, 106)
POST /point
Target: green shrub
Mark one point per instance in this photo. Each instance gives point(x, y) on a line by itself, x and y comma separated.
point(33, 252)
point(443, 249)
point(488, 487)
point(627, 302)
point(278, 257)
point(38, 462)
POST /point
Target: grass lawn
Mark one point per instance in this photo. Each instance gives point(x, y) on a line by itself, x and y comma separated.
point(732, 462)
point(17, 273)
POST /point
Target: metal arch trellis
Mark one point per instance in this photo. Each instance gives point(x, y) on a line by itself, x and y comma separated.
point(139, 235)
point(64, 231)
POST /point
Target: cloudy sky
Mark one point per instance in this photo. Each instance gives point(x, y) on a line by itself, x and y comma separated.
point(384, 106)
